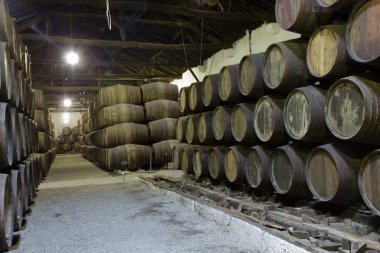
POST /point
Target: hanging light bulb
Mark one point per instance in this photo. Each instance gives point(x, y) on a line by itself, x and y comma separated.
point(67, 102)
point(66, 117)
point(72, 58)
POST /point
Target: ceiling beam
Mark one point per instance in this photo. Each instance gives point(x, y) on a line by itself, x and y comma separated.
point(67, 89)
point(163, 8)
point(29, 23)
point(121, 44)
point(105, 78)
point(49, 62)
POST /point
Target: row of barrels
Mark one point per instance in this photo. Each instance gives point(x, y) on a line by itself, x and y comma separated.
point(18, 185)
point(67, 139)
point(125, 94)
point(348, 170)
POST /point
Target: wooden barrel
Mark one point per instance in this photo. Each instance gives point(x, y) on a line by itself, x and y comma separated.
point(369, 181)
point(187, 159)
point(332, 170)
point(160, 109)
point(120, 113)
point(191, 129)
point(118, 94)
point(257, 167)
point(6, 137)
point(66, 131)
point(66, 147)
point(75, 130)
point(301, 16)
point(162, 152)
point(327, 56)
point(250, 73)
point(162, 129)
point(242, 123)
point(363, 33)
point(181, 129)
point(40, 118)
point(72, 138)
point(204, 129)
point(15, 94)
point(269, 120)
point(216, 163)
point(16, 133)
point(338, 5)
point(285, 66)
point(43, 142)
point(3, 20)
point(39, 99)
point(200, 162)
point(22, 136)
point(159, 90)
point(177, 155)
point(287, 170)
point(121, 134)
point(5, 72)
point(30, 180)
point(351, 109)
point(184, 100)
point(221, 123)
point(24, 186)
point(130, 156)
point(195, 97)
point(234, 164)
point(304, 115)
point(210, 94)
point(6, 210)
point(16, 198)
point(228, 84)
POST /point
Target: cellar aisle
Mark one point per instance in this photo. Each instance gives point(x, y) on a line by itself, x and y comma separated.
point(110, 215)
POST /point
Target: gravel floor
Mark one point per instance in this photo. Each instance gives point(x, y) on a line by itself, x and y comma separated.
point(115, 217)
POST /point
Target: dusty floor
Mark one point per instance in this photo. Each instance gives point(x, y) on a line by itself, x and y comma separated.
point(81, 208)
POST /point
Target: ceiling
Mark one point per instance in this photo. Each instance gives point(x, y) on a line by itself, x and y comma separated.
point(148, 41)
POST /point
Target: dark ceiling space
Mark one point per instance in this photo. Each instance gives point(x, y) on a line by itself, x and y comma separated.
point(146, 42)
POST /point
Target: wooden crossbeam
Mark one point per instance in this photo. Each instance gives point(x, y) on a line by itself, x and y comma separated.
point(121, 44)
point(101, 78)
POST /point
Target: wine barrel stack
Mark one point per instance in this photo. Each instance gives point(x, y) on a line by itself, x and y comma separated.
point(26, 146)
point(299, 119)
point(68, 139)
point(124, 120)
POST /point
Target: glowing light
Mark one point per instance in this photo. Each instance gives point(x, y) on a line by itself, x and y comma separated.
point(72, 58)
point(66, 117)
point(67, 102)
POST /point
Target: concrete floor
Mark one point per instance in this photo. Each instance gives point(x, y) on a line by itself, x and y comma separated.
point(81, 208)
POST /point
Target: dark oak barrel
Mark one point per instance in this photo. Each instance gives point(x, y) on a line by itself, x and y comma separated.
point(17, 198)
point(15, 96)
point(269, 120)
point(181, 129)
point(221, 124)
point(250, 74)
point(6, 137)
point(16, 133)
point(304, 115)
point(192, 129)
point(184, 100)
point(369, 176)
point(351, 109)
point(120, 113)
point(287, 170)
point(327, 56)
point(285, 66)
point(216, 163)
point(195, 97)
point(257, 167)
point(162, 152)
point(159, 90)
point(242, 123)
point(24, 186)
point(200, 162)
point(162, 129)
point(39, 99)
point(22, 137)
point(119, 94)
point(332, 172)
point(210, 93)
point(363, 33)
point(6, 212)
point(177, 154)
point(66, 131)
point(187, 153)
point(301, 16)
point(160, 109)
point(5, 72)
point(234, 164)
point(204, 131)
point(3, 20)
point(228, 84)
point(135, 156)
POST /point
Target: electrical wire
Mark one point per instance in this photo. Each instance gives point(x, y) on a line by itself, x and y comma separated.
point(108, 14)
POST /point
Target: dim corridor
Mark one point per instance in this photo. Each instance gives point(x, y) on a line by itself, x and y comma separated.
point(80, 208)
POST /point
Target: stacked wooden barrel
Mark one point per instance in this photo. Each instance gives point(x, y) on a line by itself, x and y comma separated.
point(68, 139)
point(127, 119)
point(26, 152)
point(299, 118)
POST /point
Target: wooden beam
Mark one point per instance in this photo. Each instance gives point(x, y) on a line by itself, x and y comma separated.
point(49, 62)
point(29, 23)
point(67, 88)
point(165, 8)
point(105, 78)
point(121, 44)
